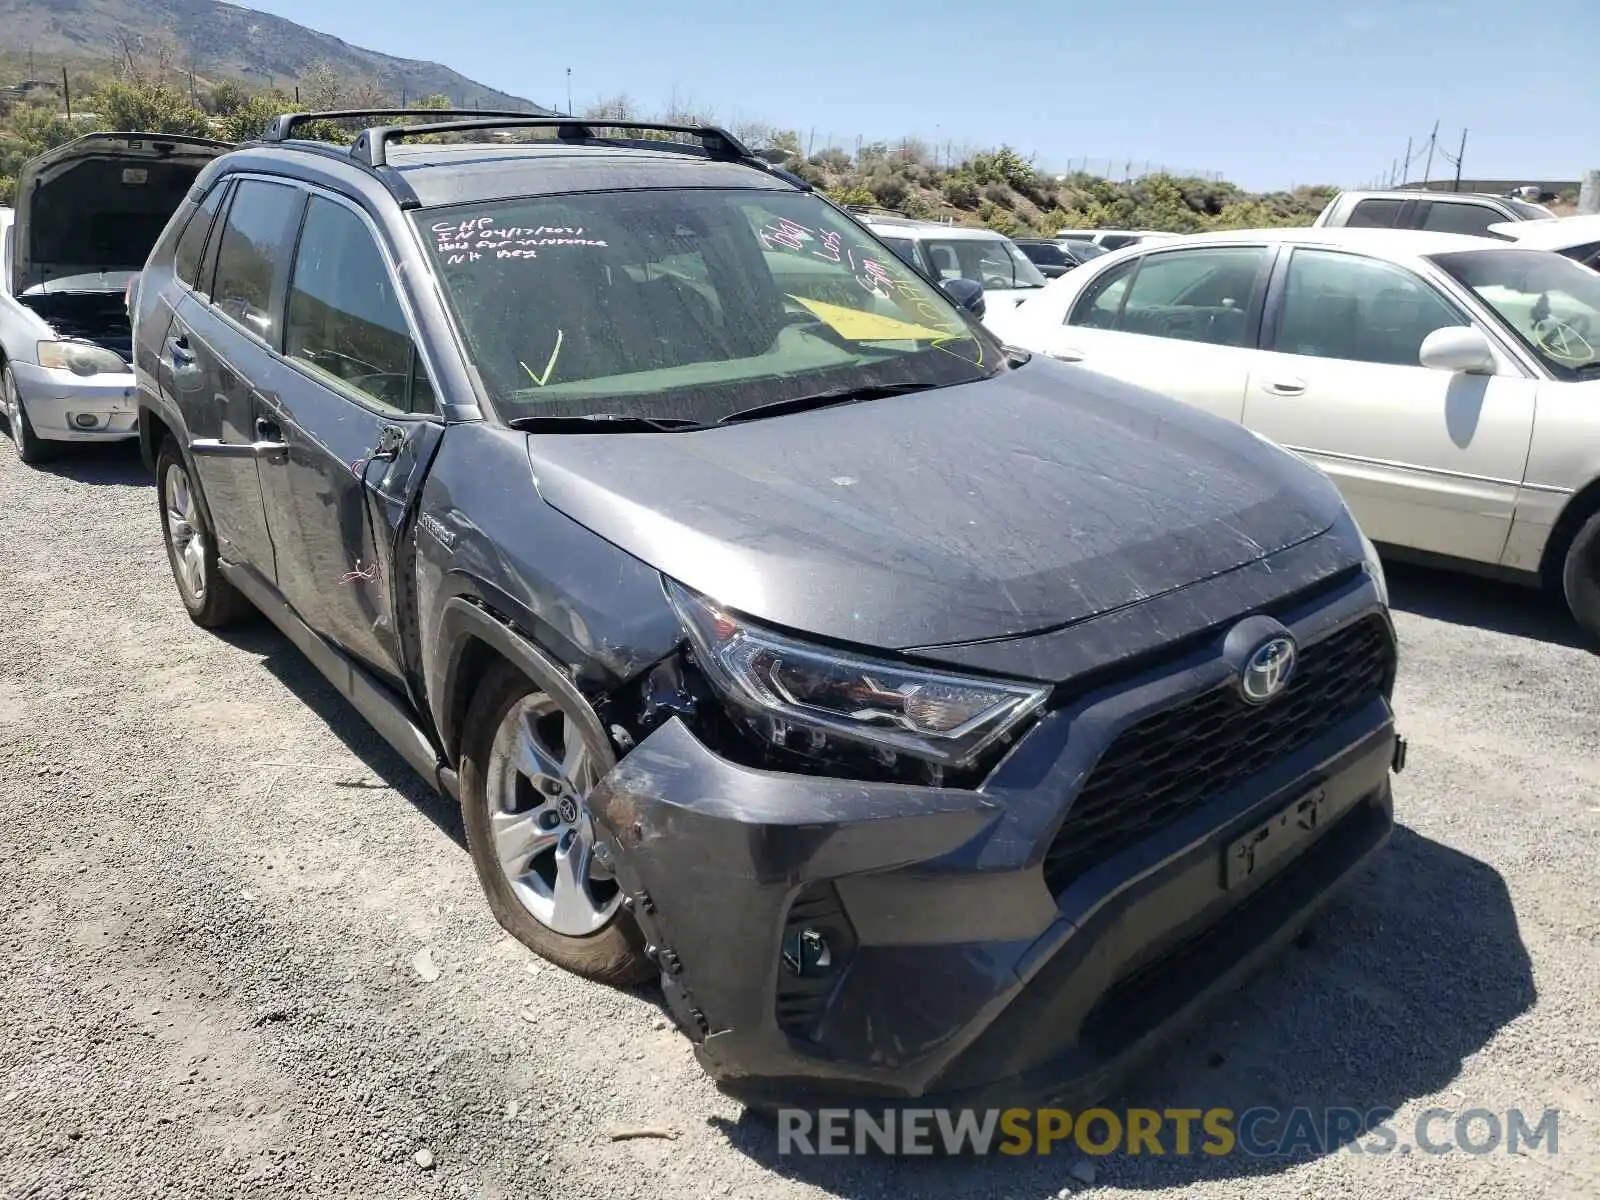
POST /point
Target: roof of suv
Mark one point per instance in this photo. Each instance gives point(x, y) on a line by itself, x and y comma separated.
point(574, 159)
point(454, 174)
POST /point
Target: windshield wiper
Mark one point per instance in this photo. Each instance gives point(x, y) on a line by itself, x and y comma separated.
point(601, 423)
point(1585, 368)
point(794, 404)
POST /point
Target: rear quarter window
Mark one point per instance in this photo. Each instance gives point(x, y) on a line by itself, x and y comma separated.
point(191, 250)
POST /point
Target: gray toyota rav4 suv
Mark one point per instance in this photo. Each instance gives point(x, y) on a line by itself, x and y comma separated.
point(932, 720)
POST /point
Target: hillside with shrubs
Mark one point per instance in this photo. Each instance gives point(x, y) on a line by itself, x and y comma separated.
point(997, 188)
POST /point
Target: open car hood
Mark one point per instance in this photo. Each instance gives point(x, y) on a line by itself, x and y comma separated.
point(97, 204)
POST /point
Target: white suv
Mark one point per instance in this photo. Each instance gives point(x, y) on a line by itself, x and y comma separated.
point(992, 260)
point(1446, 212)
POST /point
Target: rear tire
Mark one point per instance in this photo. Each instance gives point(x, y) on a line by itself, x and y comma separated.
point(526, 768)
point(1580, 578)
point(31, 448)
point(211, 601)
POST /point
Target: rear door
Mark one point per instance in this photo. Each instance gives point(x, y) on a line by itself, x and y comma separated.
point(220, 349)
point(1181, 322)
point(1425, 458)
point(159, 349)
point(353, 404)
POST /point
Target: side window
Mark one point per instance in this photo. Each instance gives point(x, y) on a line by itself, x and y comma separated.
point(191, 249)
point(1101, 302)
point(247, 258)
point(1588, 255)
point(1454, 216)
point(1375, 214)
point(1344, 306)
point(343, 319)
point(1194, 295)
point(904, 249)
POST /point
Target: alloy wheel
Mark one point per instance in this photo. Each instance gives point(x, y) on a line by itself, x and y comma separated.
point(537, 784)
point(184, 532)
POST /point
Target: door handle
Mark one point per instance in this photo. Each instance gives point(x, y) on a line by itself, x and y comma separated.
point(178, 347)
point(1284, 387)
point(1067, 355)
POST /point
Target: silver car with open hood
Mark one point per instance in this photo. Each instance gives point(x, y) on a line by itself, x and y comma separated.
point(86, 216)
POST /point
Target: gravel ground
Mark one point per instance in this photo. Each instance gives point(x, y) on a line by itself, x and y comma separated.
point(219, 879)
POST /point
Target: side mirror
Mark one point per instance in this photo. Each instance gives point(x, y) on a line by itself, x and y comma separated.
point(1459, 349)
point(967, 293)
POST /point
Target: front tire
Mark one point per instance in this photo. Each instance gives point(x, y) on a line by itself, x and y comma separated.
point(526, 769)
point(1580, 578)
point(31, 448)
point(212, 602)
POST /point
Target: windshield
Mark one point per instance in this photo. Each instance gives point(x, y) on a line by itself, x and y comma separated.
point(1551, 303)
point(994, 262)
point(688, 306)
point(1530, 212)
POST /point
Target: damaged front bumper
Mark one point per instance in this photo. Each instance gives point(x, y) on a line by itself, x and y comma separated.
point(1142, 847)
point(63, 407)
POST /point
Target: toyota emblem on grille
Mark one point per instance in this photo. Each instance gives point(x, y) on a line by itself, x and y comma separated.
point(1267, 670)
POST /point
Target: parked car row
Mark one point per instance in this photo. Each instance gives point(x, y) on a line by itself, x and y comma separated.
point(937, 721)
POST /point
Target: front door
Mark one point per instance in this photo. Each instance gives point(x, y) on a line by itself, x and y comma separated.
point(355, 411)
point(1425, 458)
point(1179, 322)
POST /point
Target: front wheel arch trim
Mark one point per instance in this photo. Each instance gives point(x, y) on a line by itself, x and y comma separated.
point(463, 623)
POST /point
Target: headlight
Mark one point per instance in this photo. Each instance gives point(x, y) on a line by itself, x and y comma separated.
point(81, 358)
point(1374, 565)
point(777, 682)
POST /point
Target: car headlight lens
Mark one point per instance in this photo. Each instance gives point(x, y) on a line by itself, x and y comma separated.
point(1374, 566)
point(777, 682)
point(81, 358)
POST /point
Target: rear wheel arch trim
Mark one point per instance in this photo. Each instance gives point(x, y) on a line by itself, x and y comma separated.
point(459, 670)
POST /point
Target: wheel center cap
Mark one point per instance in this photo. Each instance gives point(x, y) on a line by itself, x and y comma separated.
point(568, 808)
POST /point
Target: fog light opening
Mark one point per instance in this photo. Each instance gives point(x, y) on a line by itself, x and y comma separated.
point(807, 954)
point(85, 420)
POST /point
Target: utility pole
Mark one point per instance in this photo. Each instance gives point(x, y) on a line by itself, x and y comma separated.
point(569, 91)
point(1459, 156)
point(1433, 138)
point(66, 92)
point(1408, 158)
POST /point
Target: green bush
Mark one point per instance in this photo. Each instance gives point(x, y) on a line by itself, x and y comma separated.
point(961, 189)
point(850, 195)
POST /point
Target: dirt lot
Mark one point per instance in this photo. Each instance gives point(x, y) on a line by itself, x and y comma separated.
point(217, 880)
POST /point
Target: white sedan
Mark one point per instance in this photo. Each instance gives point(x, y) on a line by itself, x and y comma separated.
point(1450, 385)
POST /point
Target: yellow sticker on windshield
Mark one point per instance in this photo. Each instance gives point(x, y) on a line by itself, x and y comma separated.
point(861, 326)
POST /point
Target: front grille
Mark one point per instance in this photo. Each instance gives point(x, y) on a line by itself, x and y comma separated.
point(1179, 757)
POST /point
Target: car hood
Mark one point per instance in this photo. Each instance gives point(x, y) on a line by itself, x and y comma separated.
point(1041, 497)
point(98, 203)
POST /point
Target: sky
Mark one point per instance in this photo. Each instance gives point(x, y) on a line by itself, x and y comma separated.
point(1269, 95)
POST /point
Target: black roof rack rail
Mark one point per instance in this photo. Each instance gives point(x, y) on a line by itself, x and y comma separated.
point(284, 124)
point(372, 146)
